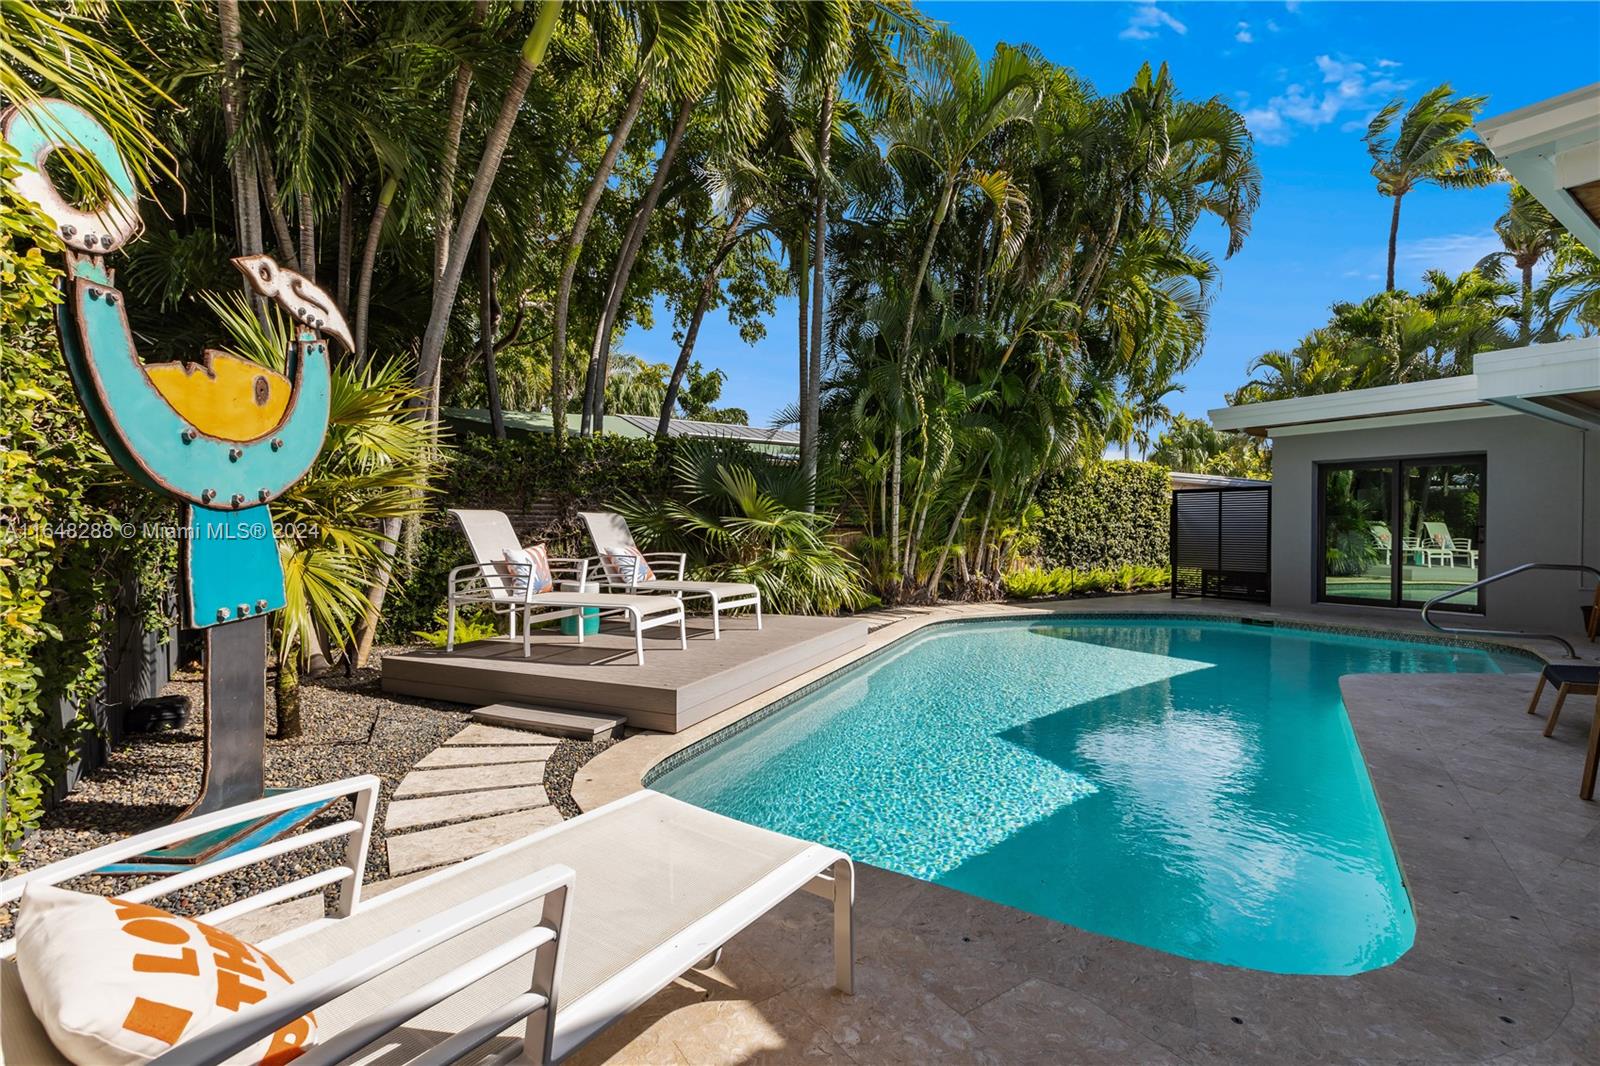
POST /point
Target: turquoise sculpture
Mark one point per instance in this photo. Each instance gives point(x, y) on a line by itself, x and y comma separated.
point(224, 437)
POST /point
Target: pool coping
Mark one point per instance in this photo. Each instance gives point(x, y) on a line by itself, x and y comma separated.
point(643, 758)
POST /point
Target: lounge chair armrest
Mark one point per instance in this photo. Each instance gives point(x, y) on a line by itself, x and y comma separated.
point(470, 576)
point(315, 990)
point(675, 562)
point(570, 570)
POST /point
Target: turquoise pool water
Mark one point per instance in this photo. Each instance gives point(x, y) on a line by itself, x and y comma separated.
point(1191, 786)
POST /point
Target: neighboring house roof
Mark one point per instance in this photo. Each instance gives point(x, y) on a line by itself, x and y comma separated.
point(1559, 382)
point(1553, 149)
point(476, 420)
point(1184, 480)
point(688, 427)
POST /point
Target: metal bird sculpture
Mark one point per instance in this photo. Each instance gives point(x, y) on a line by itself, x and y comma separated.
point(306, 303)
point(223, 437)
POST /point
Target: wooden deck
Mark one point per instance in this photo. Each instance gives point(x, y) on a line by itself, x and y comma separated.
point(675, 689)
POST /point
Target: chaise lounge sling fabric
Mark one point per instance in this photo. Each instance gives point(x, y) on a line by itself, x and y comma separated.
point(1440, 539)
point(584, 921)
point(484, 583)
point(620, 558)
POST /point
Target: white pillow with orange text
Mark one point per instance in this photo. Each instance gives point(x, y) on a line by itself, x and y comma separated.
point(114, 982)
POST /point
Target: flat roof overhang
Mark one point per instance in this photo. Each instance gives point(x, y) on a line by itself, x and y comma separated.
point(1559, 382)
point(1553, 149)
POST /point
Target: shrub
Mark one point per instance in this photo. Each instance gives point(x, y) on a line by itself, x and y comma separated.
point(1035, 582)
point(1108, 514)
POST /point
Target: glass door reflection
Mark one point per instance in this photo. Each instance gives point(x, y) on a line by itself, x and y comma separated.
point(1358, 538)
point(1443, 506)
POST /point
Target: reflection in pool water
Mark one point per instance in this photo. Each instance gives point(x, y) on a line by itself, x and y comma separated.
point(1190, 786)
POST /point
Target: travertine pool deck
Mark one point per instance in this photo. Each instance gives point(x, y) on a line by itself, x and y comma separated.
point(675, 688)
point(1501, 857)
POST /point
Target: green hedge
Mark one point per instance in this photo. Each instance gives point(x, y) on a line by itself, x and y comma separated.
point(540, 488)
point(1109, 514)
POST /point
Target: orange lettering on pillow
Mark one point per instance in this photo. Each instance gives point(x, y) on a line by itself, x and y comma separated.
point(159, 1021)
point(187, 962)
point(128, 911)
point(288, 1043)
point(157, 931)
point(232, 954)
point(232, 993)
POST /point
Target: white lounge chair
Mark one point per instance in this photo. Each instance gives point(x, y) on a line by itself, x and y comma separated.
point(1441, 540)
point(486, 583)
point(520, 954)
point(1384, 540)
point(619, 559)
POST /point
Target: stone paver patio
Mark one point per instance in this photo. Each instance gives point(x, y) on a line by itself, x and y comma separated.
point(484, 787)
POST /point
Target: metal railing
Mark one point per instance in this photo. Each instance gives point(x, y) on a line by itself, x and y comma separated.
point(1572, 653)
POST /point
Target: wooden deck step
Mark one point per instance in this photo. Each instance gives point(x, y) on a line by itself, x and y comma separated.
point(580, 725)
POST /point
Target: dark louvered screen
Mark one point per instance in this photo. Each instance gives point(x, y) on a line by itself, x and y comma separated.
point(1221, 543)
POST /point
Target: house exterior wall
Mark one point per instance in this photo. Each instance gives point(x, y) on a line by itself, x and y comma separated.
point(1542, 504)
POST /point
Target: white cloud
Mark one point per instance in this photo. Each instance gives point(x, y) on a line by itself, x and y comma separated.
point(1243, 35)
point(1348, 90)
point(1146, 24)
point(1292, 6)
point(1450, 252)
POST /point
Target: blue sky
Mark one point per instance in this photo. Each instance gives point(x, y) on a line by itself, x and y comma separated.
point(1307, 77)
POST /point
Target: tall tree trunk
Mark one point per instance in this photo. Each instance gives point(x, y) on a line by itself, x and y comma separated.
point(488, 315)
point(1525, 328)
point(347, 240)
point(932, 589)
point(444, 202)
point(595, 405)
point(494, 148)
point(1394, 239)
point(803, 326)
point(708, 287)
point(242, 159)
point(308, 239)
point(811, 398)
point(280, 221)
point(574, 248)
point(369, 255)
point(983, 534)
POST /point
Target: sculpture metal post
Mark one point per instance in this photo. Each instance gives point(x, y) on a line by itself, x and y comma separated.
point(224, 437)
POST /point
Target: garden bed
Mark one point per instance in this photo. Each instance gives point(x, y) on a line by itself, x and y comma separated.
point(351, 727)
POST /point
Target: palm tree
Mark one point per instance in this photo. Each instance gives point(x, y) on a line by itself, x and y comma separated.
point(1572, 291)
point(1429, 146)
point(1530, 235)
point(942, 126)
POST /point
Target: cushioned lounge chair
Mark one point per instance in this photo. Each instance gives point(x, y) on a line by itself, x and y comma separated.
point(491, 582)
point(520, 954)
point(623, 566)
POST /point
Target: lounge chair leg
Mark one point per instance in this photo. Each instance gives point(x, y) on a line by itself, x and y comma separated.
point(683, 630)
point(844, 936)
point(758, 612)
point(1555, 712)
point(638, 636)
point(450, 629)
point(527, 629)
point(716, 619)
point(1533, 704)
point(1591, 761)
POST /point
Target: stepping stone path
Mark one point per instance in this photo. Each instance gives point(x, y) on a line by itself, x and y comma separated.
point(484, 787)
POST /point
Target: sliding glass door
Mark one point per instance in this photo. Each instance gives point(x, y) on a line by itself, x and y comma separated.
point(1397, 532)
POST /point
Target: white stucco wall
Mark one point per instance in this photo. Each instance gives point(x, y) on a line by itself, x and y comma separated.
point(1542, 504)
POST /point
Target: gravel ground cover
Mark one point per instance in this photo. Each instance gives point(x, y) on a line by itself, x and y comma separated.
point(350, 727)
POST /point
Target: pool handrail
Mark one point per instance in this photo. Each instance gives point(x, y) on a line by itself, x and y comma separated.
point(1572, 653)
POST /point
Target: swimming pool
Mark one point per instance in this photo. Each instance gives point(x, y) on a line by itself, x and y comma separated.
point(1192, 786)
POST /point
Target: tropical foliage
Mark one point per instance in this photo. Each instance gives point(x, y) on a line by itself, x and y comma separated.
point(1057, 582)
point(740, 515)
point(1194, 446)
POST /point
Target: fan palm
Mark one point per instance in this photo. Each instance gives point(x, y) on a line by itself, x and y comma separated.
point(1427, 145)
